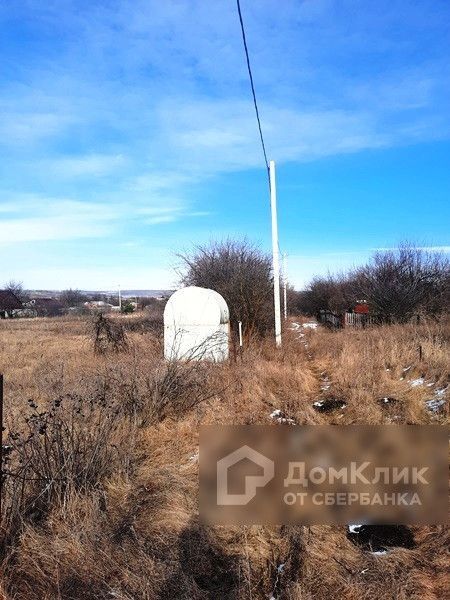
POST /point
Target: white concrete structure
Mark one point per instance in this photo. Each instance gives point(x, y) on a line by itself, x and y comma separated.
point(196, 325)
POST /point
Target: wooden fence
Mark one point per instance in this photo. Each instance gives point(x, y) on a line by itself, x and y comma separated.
point(347, 319)
point(358, 320)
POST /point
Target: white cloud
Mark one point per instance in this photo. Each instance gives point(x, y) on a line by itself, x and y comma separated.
point(444, 249)
point(85, 165)
point(210, 137)
point(29, 127)
point(158, 180)
point(438, 249)
point(161, 219)
point(36, 229)
point(37, 218)
point(40, 219)
point(143, 101)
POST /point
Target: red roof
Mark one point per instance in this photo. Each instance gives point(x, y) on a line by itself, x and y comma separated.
point(361, 308)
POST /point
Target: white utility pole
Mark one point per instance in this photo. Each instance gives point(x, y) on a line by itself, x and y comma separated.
point(276, 261)
point(120, 298)
point(285, 284)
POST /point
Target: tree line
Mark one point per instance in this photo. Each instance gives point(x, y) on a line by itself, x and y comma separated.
point(396, 283)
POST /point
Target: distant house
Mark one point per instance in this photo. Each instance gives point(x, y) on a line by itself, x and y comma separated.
point(359, 315)
point(46, 307)
point(99, 306)
point(9, 303)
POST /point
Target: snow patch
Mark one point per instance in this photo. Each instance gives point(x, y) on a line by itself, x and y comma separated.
point(355, 527)
point(279, 416)
point(310, 325)
point(435, 404)
point(387, 400)
point(328, 404)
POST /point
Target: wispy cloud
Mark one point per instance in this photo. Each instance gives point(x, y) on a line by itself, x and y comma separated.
point(128, 117)
point(84, 165)
point(189, 115)
point(437, 249)
point(37, 219)
point(42, 219)
point(206, 138)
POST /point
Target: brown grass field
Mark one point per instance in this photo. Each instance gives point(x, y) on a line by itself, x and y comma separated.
point(109, 509)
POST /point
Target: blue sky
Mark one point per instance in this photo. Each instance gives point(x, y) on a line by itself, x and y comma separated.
point(128, 133)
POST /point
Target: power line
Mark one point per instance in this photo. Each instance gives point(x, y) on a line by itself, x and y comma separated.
point(252, 85)
point(273, 197)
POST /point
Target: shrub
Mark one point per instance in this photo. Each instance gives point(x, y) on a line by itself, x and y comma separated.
point(334, 293)
point(399, 283)
point(178, 386)
point(241, 273)
point(127, 308)
point(396, 284)
point(66, 447)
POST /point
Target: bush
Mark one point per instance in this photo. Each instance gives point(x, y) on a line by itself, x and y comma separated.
point(70, 298)
point(334, 293)
point(178, 386)
point(65, 447)
point(127, 308)
point(241, 273)
point(396, 284)
point(400, 283)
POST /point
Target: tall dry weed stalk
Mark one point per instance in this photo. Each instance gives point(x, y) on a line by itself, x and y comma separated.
point(108, 335)
point(70, 445)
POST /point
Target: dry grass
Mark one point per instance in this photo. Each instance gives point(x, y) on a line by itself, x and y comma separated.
point(132, 530)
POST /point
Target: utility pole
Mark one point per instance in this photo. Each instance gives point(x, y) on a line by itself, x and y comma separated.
point(285, 284)
point(275, 255)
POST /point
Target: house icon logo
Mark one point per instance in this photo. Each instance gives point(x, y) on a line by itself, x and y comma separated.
point(252, 482)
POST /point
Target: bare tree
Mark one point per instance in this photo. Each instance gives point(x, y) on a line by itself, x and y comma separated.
point(72, 297)
point(399, 283)
point(396, 283)
point(16, 287)
point(241, 273)
point(334, 293)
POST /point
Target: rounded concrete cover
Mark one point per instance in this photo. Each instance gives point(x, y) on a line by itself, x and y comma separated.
point(196, 325)
point(196, 306)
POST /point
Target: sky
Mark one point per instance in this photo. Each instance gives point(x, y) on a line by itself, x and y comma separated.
point(128, 134)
